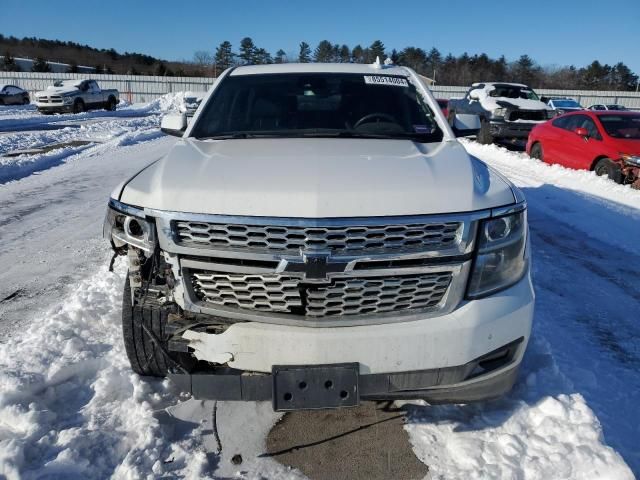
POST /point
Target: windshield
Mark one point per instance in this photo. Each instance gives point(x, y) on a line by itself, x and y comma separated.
point(566, 103)
point(512, 91)
point(67, 83)
point(621, 126)
point(317, 104)
point(616, 107)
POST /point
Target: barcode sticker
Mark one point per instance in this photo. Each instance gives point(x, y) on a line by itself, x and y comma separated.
point(385, 80)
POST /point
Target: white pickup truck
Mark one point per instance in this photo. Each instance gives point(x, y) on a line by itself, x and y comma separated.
point(75, 96)
point(318, 236)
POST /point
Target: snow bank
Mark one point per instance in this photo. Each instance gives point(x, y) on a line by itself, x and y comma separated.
point(530, 434)
point(70, 407)
point(132, 125)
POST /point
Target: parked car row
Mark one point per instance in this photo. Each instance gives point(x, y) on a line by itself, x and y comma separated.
point(604, 138)
point(76, 95)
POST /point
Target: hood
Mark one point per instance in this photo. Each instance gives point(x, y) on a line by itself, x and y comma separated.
point(317, 178)
point(58, 91)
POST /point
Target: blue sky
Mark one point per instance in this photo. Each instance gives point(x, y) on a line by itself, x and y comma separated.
point(560, 32)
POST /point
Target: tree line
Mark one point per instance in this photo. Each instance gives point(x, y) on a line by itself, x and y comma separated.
point(461, 70)
point(446, 69)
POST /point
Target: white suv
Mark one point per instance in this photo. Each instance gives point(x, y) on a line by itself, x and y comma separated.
point(319, 236)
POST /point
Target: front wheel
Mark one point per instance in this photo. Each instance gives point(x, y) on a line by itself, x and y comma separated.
point(608, 168)
point(78, 106)
point(146, 340)
point(537, 152)
point(110, 106)
point(484, 135)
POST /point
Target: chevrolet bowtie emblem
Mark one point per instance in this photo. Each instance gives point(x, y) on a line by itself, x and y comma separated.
point(315, 266)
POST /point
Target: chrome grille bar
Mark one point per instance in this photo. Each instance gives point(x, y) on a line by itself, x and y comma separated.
point(338, 239)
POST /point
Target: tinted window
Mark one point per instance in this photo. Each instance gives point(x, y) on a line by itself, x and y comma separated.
point(566, 104)
point(621, 126)
point(317, 104)
point(561, 122)
point(512, 91)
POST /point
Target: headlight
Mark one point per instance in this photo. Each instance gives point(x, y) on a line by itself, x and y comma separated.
point(125, 224)
point(502, 257)
point(633, 160)
point(67, 99)
point(499, 112)
point(553, 113)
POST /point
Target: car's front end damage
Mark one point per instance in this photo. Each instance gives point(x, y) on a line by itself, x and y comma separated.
point(321, 312)
point(314, 266)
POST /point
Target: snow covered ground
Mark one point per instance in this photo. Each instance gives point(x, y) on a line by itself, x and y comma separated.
point(71, 408)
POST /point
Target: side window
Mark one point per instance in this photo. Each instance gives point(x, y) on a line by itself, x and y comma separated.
point(561, 122)
point(590, 125)
point(93, 86)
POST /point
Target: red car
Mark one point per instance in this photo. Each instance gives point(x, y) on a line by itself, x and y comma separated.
point(444, 106)
point(607, 142)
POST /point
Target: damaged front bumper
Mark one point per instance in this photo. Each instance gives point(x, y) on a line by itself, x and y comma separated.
point(326, 386)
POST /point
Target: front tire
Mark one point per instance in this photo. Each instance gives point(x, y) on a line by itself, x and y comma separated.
point(608, 168)
point(143, 326)
point(111, 105)
point(484, 135)
point(537, 152)
point(78, 106)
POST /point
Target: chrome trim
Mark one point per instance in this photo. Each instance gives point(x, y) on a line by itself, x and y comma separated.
point(451, 299)
point(167, 242)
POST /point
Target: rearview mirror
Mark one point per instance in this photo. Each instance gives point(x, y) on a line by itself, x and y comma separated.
point(474, 94)
point(465, 124)
point(583, 132)
point(174, 124)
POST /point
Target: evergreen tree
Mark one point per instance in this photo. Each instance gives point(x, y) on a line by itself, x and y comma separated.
point(98, 69)
point(160, 70)
point(247, 51)
point(305, 53)
point(9, 63)
point(413, 57)
point(345, 54)
point(395, 56)
point(357, 54)
point(40, 65)
point(224, 56)
point(281, 56)
point(376, 50)
point(323, 52)
point(622, 78)
point(261, 56)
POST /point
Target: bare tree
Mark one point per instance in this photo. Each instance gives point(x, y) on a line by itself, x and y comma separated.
point(203, 59)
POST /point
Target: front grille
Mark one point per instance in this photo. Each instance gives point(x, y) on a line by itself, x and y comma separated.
point(531, 115)
point(338, 239)
point(343, 296)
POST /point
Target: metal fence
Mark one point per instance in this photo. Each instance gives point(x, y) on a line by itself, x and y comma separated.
point(138, 88)
point(133, 88)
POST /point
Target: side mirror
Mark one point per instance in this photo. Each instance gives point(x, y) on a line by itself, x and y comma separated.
point(583, 132)
point(474, 95)
point(465, 124)
point(174, 124)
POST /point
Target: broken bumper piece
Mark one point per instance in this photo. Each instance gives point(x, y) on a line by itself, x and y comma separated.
point(333, 386)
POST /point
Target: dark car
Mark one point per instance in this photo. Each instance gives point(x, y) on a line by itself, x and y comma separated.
point(607, 142)
point(12, 95)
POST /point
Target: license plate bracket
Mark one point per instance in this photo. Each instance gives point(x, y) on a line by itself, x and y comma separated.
point(312, 387)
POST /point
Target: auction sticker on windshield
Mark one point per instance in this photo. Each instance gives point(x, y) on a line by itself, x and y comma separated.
point(385, 80)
